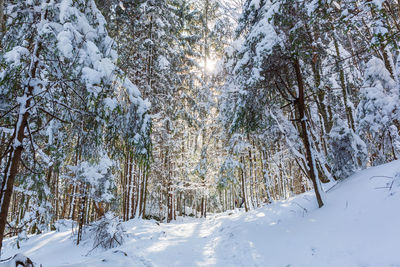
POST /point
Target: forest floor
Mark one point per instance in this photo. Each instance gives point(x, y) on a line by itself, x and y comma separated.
point(358, 226)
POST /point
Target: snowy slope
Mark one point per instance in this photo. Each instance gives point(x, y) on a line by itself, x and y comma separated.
point(358, 226)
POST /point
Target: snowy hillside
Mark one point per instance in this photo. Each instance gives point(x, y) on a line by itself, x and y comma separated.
point(359, 226)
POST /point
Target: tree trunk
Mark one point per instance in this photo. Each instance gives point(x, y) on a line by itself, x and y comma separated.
point(145, 191)
point(305, 137)
point(15, 154)
point(349, 112)
point(243, 186)
point(2, 20)
point(82, 214)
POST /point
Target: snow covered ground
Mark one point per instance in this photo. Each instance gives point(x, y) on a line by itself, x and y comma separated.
point(358, 226)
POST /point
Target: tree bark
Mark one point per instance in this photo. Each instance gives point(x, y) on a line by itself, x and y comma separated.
point(243, 185)
point(11, 170)
point(2, 20)
point(349, 112)
point(305, 137)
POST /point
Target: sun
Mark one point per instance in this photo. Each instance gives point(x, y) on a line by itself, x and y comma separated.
point(211, 65)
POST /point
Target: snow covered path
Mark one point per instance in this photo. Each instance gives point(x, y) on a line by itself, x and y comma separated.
point(359, 226)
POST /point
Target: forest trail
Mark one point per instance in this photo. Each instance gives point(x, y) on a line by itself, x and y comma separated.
point(357, 227)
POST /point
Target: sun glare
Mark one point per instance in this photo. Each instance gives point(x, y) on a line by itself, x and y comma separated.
point(211, 65)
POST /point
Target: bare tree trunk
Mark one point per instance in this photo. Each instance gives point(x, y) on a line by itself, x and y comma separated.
point(130, 190)
point(243, 186)
point(126, 185)
point(202, 208)
point(266, 179)
point(349, 112)
point(305, 137)
point(75, 202)
point(251, 176)
point(82, 213)
point(56, 217)
point(145, 191)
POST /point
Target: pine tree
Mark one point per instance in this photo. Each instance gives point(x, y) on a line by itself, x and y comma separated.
point(378, 112)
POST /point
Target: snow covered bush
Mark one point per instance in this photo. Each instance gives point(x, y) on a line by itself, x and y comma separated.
point(108, 232)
